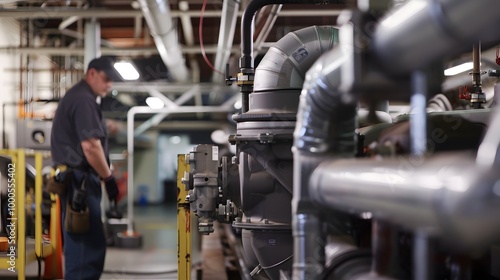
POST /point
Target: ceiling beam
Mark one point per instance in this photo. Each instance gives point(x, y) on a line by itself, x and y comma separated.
point(107, 51)
point(48, 13)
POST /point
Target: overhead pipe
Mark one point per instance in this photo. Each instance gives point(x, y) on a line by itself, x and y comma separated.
point(139, 51)
point(48, 13)
point(436, 28)
point(431, 195)
point(267, 26)
point(157, 15)
point(187, 30)
point(226, 36)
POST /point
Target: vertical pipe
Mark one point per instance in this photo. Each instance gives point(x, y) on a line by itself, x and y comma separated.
point(306, 231)
point(130, 169)
point(418, 134)
point(381, 248)
point(476, 58)
point(418, 125)
point(422, 269)
point(476, 67)
point(92, 41)
point(477, 95)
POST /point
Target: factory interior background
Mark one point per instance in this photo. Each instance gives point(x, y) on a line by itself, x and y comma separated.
point(258, 139)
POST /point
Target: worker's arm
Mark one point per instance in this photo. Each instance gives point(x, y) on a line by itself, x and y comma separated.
point(94, 153)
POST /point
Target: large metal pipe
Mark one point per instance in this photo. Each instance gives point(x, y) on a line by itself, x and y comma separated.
point(325, 127)
point(274, 102)
point(422, 31)
point(326, 119)
point(157, 15)
point(434, 195)
point(285, 64)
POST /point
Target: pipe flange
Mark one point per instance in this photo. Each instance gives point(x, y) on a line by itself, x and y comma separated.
point(262, 226)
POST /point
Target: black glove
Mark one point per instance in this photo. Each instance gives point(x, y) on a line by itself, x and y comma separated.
point(111, 187)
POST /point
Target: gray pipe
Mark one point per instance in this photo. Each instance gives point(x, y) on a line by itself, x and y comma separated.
point(433, 195)
point(420, 32)
point(157, 15)
point(285, 64)
point(325, 127)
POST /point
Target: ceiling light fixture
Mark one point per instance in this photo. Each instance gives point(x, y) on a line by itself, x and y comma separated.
point(126, 70)
point(155, 103)
point(458, 69)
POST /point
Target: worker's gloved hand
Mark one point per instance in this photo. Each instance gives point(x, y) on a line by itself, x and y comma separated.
point(111, 187)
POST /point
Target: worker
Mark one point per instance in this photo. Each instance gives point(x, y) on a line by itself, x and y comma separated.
point(79, 142)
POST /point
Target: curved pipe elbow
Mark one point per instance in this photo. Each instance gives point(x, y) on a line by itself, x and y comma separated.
point(285, 64)
point(326, 120)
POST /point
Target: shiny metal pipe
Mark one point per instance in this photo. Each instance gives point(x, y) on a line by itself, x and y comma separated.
point(423, 31)
point(435, 196)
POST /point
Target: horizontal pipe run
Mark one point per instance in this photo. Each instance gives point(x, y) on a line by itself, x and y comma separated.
point(434, 195)
point(422, 31)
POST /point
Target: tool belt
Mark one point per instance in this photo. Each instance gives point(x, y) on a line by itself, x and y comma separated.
point(77, 218)
point(60, 179)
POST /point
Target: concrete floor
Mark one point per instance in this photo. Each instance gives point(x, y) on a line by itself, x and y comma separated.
point(157, 259)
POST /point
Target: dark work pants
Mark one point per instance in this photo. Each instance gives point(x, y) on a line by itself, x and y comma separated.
point(84, 253)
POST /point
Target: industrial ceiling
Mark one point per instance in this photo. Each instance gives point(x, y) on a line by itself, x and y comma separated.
point(126, 31)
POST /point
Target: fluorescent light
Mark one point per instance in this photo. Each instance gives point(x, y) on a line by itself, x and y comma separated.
point(458, 69)
point(154, 103)
point(126, 70)
point(403, 13)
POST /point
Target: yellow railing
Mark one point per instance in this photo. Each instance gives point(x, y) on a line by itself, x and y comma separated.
point(20, 252)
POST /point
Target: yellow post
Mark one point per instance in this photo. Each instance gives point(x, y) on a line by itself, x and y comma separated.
point(20, 169)
point(183, 223)
point(38, 204)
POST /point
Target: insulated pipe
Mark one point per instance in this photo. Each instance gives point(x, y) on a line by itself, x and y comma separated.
point(247, 28)
point(422, 31)
point(157, 15)
point(246, 60)
point(285, 64)
point(434, 196)
point(326, 122)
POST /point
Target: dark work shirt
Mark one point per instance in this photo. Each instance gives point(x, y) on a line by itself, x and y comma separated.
point(78, 117)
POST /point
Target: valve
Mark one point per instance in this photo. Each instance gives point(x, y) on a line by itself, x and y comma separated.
point(229, 79)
